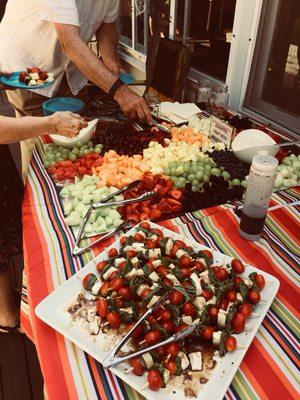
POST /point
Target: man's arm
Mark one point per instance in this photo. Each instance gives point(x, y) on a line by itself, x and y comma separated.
point(107, 42)
point(94, 69)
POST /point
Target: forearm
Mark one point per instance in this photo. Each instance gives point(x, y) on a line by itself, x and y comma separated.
point(107, 41)
point(17, 129)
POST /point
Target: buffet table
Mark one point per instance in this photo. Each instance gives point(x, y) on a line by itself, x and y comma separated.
point(269, 370)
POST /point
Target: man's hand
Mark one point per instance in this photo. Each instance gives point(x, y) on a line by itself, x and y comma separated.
point(132, 105)
point(66, 123)
point(114, 66)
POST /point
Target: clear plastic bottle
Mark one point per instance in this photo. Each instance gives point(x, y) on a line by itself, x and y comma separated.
point(259, 190)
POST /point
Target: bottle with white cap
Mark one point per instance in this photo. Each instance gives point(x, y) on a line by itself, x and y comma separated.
point(259, 190)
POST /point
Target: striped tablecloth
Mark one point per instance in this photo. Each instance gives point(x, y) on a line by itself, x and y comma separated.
point(270, 368)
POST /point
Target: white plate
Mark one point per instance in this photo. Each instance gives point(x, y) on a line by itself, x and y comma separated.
point(83, 136)
point(52, 310)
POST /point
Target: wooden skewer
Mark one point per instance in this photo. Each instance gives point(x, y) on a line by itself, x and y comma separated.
point(142, 342)
point(158, 319)
point(254, 315)
point(168, 358)
point(105, 323)
point(240, 347)
point(145, 386)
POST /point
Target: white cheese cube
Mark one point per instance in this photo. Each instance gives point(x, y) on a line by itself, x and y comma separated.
point(128, 310)
point(153, 301)
point(217, 337)
point(248, 282)
point(147, 359)
point(141, 288)
point(187, 320)
point(128, 248)
point(154, 277)
point(180, 253)
point(119, 261)
point(135, 261)
point(172, 266)
point(49, 79)
point(221, 319)
point(196, 361)
point(34, 76)
point(96, 288)
point(156, 263)
point(138, 247)
point(154, 253)
point(173, 279)
point(108, 272)
point(239, 297)
point(32, 83)
point(213, 300)
point(204, 276)
point(184, 361)
point(202, 260)
point(169, 246)
point(91, 313)
point(199, 302)
point(135, 272)
point(194, 277)
point(142, 233)
point(166, 376)
point(153, 237)
point(94, 325)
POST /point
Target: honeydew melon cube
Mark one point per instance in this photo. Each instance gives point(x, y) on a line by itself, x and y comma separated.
point(117, 222)
point(88, 228)
point(64, 193)
point(104, 212)
point(86, 198)
point(109, 220)
point(96, 196)
point(73, 219)
point(75, 201)
point(93, 217)
point(114, 214)
point(68, 208)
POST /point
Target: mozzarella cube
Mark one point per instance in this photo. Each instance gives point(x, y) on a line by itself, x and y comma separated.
point(154, 253)
point(154, 277)
point(128, 248)
point(156, 263)
point(135, 261)
point(180, 253)
point(147, 359)
point(94, 325)
point(199, 302)
point(169, 246)
point(135, 272)
point(217, 337)
point(166, 376)
point(239, 297)
point(91, 313)
point(184, 361)
point(248, 282)
point(34, 75)
point(213, 300)
point(153, 301)
point(138, 246)
point(194, 277)
point(196, 361)
point(221, 319)
point(32, 83)
point(142, 233)
point(173, 279)
point(128, 310)
point(108, 272)
point(141, 288)
point(202, 260)
point(49, 79)
point(96, 288)
point(204, 275)
point(119, 261)
point(187, 320)
point(172, 266)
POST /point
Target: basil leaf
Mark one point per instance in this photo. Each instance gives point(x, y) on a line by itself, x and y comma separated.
point(244, 290)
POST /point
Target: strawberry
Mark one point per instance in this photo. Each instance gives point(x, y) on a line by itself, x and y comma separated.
point(155, 213)
point(23, 76)
point(176, 194)
point(164, 206)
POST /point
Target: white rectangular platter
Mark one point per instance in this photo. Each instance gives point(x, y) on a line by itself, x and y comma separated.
point(52, 310)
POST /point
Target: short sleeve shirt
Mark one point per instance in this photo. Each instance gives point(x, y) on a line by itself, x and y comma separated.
point(28, 36)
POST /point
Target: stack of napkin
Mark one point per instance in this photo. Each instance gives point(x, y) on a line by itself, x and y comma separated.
point(178, 113)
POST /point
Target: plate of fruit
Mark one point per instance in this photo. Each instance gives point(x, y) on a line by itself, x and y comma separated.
point(32, 78)
point(223, 299)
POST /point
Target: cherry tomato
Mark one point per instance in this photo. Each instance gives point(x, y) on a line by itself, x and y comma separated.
point(176, 297)
point(213, 314)
point(168, 326)
point(162, 270)
point(125, 293)
point(230, 343)
point(144, 225)
point(189, 248)
point(198, 265)
point(171, 366)
point(253, 297)
point(138, 369)
point(246, 309)
point(122, 265)
point(207, 254)
point(207, 333)
point(105, 289)
point(231, 295)
point(140, 309)
point(119, 302)
point(185, 272)
point(167, 282)
point(117, 283)
point(224, 304)
point(113, 275)
point(102, 307)
point(236, 281)
point(180, 328)
point(185, 261)
point(180, 244)
point(260, 281)
point(151, 319)
point(157, 232)
point(113, 252)
point(145, 293)
point(238, 322)
point(139, 330)
point(131, 253)
point(165, 315)
point(237, 266)
point(221, 273)
point(137, 237)
point(114, 319)
point(101, 265)
point(207, 295)
point(160, 352)
point(173, 349)
point(174, 250)
point(152, 336)
point(151, 244)
point(155, 380)
point(123, 240)
point(189, 309)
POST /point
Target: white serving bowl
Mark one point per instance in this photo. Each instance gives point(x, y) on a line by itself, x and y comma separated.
point(247, 143)
point(84, 136)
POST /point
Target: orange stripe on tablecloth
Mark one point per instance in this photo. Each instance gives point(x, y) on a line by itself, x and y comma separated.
point(281, 217)
point(250, 252)
point(97, 378)
point(45, 337)
point(281, 342)
point(268, 374)
point(253, 382)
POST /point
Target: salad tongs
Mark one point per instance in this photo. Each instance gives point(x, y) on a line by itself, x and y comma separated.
point(112, 359)
point(105, 203)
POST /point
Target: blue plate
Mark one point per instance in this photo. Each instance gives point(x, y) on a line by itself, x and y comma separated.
point(126, 78)
point(63, 104)
point(13, 81)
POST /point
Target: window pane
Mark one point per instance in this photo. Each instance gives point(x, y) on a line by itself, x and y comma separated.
point(209, 34)
point(282, 79)
point(159, 17)
point(141, 21)
point(125, 22)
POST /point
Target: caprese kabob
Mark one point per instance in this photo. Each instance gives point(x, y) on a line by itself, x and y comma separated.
point(215, 298)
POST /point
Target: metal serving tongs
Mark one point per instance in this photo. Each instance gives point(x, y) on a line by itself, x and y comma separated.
point(112, 359)
point(104, 203)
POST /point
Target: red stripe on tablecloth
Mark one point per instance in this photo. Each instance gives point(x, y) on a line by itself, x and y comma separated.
point(45, 337)
point(263, 372)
